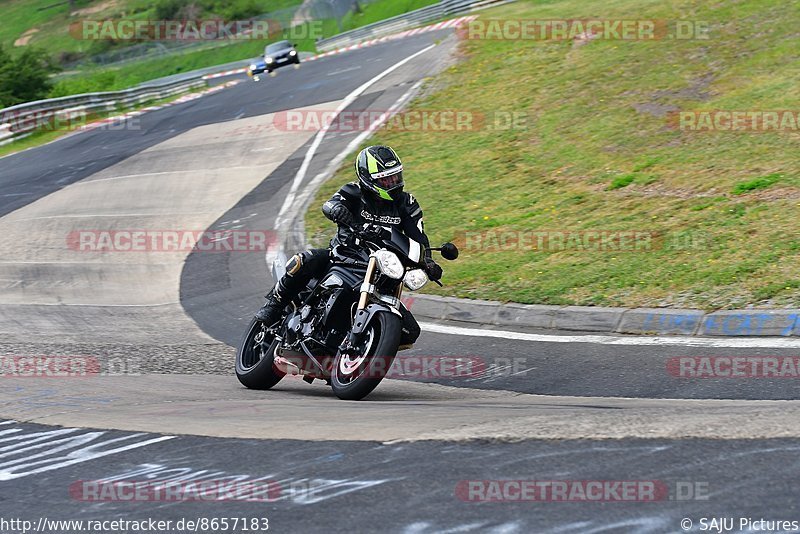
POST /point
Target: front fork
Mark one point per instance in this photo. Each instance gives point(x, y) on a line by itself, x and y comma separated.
point(371, 266)
point(367, 287)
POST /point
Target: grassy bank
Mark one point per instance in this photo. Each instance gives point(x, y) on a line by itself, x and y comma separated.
point(598, 153)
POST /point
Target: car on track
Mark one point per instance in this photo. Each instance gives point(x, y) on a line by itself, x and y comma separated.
point(276, 55)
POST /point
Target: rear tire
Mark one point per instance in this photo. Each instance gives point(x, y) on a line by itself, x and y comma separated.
point(255, 358)
point(385, 329)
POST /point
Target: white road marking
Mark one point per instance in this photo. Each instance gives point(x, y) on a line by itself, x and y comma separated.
point(743, 343)
point(297, 490)
point(97, 215)
point(161, 173)
point(90, 305)
point(27, 453)
point(342, 71)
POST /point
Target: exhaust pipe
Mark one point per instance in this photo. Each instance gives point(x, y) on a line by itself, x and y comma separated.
point(286, 366)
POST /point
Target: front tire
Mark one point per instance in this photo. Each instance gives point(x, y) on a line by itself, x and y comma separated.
point(255, 358)
point(353, 378)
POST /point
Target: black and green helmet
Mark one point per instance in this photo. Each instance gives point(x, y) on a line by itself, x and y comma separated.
point(380, 170)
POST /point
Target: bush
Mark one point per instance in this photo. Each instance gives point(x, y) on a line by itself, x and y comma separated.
point(6, 98)
point(242, 9)
point(25, 78)
point(84, 84)
point(170, 9)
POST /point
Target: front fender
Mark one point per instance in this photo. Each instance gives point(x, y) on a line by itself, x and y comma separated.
point(363, 317)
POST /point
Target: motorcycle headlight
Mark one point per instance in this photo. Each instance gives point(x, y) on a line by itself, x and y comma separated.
point(293, 53)
point(415, 279)
point(268, 60)
point(389, 264)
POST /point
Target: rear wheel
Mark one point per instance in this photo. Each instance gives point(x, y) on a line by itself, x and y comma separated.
point(354, 376)
point(255, 358)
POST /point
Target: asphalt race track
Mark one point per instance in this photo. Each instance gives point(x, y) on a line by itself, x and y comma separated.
point(163, 324)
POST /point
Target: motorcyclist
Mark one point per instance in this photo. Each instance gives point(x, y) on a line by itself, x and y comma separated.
point(377, 198)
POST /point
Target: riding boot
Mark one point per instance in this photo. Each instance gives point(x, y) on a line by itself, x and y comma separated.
point(277, 299)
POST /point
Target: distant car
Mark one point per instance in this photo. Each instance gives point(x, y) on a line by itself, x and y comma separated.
point(275, 55)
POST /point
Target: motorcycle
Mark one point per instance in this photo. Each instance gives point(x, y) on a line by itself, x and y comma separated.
point(345, 327)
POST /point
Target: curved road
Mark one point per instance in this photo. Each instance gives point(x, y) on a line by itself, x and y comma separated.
point(160, 325)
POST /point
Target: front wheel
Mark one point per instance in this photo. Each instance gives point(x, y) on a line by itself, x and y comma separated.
point(353, 377)
point(255, 358)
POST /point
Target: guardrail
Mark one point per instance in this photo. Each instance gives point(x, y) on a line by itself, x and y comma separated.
point(440, 10)
point(23, 119)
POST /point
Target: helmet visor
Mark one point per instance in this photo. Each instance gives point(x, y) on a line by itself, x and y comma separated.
point(390, 182)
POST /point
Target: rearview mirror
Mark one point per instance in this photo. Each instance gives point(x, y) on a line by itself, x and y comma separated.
point(449, 251)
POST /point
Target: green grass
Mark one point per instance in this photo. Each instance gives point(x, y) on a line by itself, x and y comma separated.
point(374, 12)
point(622, 181)
point(762, 182)
point(722, 208)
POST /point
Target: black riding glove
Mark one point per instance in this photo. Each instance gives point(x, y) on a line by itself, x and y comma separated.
point(433, 270)
point(373, 232)
point(342, 215)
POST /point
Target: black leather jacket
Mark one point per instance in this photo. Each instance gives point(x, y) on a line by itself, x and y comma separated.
point(403, 213)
